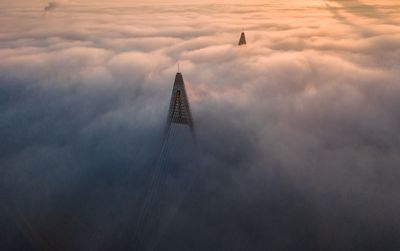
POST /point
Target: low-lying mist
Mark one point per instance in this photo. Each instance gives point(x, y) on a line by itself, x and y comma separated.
point(296, 142)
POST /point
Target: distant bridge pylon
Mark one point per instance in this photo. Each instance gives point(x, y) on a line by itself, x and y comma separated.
point(242, 40)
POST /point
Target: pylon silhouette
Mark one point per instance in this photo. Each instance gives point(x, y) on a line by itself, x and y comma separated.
point(179, 108)
point(242, 40)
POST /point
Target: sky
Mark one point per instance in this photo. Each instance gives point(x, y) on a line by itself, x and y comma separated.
point(297, 133)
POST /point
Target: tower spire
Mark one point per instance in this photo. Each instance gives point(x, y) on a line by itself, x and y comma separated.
point(179, 109)
point(242, 40)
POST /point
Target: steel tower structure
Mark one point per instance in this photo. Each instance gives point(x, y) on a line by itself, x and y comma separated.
point(179, 108)
point(172, 175)
point(242, 40)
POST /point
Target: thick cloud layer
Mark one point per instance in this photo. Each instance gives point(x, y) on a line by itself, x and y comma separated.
point(297, 134)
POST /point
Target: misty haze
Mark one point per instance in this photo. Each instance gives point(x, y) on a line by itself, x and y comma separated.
point(200, 125)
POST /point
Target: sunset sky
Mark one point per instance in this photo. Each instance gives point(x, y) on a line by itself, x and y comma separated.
point(298, 132)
